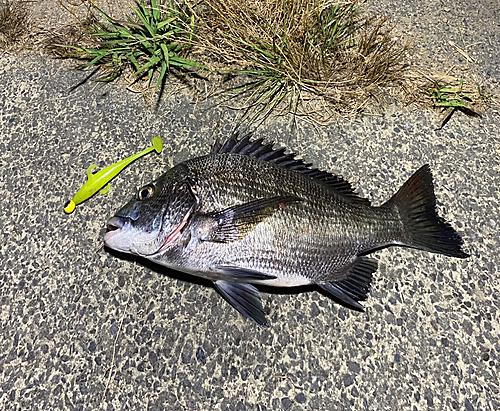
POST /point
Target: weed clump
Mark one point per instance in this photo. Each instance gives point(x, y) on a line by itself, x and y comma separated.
point(310, 57)
point(316, 58)
point(150, 42)
point(449, 94)
point(14, 24)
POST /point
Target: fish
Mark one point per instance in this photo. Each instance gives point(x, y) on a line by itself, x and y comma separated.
point(248, 214)
point(97, 182)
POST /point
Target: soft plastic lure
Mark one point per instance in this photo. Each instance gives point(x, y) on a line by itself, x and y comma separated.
point(97, 181)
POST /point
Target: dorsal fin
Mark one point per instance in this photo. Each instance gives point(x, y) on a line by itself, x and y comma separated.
point(266, 152)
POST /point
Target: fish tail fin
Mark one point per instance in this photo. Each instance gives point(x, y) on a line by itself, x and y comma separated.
point(416, 203)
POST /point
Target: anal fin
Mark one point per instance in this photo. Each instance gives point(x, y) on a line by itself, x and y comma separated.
point(356, 286)
point(245, 298)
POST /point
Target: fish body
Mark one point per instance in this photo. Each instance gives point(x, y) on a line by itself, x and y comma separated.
point(249, 214)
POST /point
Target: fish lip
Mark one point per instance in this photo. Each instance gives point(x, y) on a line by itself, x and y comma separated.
point(109, 235)
point(114, 226)
point(115, 223)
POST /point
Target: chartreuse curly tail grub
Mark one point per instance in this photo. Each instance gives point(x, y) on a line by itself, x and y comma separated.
point(97, 181)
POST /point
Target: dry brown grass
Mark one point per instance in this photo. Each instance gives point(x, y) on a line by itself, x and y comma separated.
point(15, 24)
point(75, 33)
point(314, 58)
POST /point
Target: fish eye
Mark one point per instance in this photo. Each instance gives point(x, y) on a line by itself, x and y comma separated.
point(145, 192)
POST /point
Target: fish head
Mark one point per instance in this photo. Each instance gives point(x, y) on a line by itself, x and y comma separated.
point(152, 222)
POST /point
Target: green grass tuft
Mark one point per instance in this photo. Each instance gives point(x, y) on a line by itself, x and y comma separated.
point(318, 59)
point(448, 96)
point(151, 42)
point(453, 95)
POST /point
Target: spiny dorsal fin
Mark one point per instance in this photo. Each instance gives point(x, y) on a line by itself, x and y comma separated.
point(266, 152)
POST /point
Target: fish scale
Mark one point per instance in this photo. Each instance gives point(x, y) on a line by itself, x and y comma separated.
point(247, 214)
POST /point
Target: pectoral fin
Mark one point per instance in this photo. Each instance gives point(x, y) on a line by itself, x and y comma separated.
point(238, 274)
point(235, 223)
point(245, 298)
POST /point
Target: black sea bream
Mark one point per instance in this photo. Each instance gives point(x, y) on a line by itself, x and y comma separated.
point(250, 214)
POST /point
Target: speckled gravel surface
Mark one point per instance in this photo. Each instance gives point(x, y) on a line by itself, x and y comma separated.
point(82, 329)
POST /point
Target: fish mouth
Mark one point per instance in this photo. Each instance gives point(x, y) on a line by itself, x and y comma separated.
point(115, 224)
point(142, 244)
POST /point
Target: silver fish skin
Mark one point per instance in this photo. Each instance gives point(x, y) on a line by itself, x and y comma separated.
point(249, 214)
